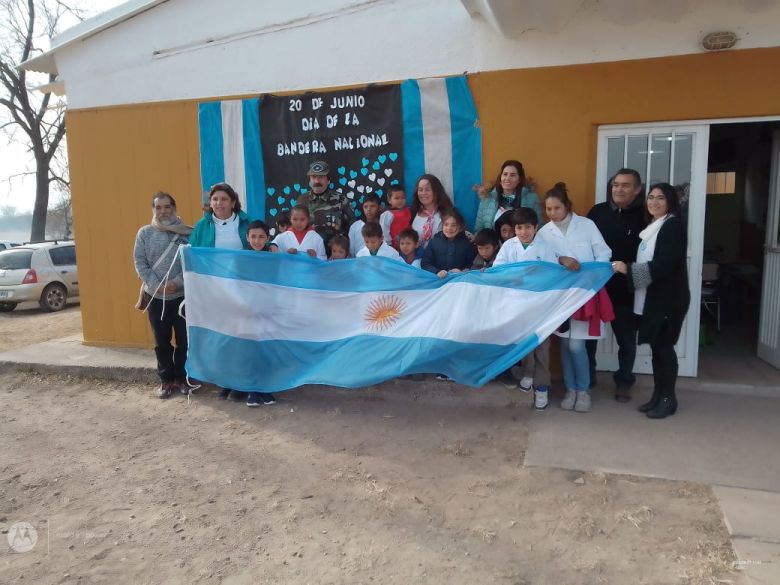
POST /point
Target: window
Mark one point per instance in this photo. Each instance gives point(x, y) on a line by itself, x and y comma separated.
point(65, 256)
point(15, 259)
point(721, 183)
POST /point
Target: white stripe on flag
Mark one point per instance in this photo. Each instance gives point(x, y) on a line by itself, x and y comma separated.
point(233, 147)
point(437, 131)
point(461, 312)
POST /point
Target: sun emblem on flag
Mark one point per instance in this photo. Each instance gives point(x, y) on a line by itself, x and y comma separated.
point(384, 312)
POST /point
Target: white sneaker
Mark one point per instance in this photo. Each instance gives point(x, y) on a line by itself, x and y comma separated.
point(569, 400)
point(526, 383)
point(540, 399)
point(583, 402)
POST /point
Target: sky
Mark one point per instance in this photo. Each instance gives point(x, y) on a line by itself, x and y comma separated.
point(15, 160)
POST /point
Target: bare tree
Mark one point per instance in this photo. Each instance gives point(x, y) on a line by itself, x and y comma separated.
point(23, 25)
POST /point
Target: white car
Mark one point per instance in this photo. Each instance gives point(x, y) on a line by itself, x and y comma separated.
point(44, 272)
point(4, 244)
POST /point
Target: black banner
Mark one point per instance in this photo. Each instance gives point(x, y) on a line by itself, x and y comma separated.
point(359, 133)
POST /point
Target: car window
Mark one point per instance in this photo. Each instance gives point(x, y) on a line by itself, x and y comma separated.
point(15, 259)
point(65, 256)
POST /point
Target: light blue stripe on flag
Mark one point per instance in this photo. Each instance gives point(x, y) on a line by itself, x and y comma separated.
point(383, 274)
point(414, 147)
point(253, 160)
point(284, 365)
point(466, 147)
point(212, 162)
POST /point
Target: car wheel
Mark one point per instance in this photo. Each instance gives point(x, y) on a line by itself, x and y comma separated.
point(54, 298)
point(6, 307)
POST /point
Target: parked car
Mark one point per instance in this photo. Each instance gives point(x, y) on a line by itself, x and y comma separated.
point(5, 244)
point(44, 272)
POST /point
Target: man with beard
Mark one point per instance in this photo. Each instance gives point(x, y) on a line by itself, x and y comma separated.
point(330, 211)
point(620, 219)
point(155, 249)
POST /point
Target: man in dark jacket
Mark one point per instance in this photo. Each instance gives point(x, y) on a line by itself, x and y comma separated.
point(620, 219)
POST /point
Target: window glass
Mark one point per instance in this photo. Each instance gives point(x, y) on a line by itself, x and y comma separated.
point(65, 256)
point(15, 259)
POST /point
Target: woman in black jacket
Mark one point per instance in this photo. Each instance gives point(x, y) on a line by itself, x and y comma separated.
point(659, 278)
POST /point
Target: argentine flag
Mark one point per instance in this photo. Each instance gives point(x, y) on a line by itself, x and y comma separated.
point(272, 322)
point(441, 134)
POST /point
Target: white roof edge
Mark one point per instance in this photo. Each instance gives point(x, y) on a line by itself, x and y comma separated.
point(46, 62)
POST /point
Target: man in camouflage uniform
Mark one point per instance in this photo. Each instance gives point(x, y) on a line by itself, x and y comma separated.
point(330, 211)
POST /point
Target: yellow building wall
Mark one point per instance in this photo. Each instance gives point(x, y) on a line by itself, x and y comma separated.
point(548, 118)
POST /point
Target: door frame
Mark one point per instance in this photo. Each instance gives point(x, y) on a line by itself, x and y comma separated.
point(688, 346)
point(696, 213)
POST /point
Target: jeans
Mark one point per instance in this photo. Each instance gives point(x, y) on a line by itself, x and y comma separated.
point(624, 328)
point(576, 366)
point(170, 361)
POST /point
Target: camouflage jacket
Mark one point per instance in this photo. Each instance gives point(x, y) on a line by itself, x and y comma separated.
point(330, 213)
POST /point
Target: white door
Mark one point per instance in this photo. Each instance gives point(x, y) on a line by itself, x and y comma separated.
point(769, 327)
point(674, 154)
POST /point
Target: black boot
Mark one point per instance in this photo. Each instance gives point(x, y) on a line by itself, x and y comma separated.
point(666, 406)
point(651, 404)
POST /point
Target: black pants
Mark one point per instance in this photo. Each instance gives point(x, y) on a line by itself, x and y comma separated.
point(170, 361)
point(665, 362)
point(624, 329)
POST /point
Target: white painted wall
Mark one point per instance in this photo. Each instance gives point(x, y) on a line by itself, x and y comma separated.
point(260, 46)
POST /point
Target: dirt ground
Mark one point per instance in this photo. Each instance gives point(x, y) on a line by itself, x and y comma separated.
point(28, 324)
point(407, 482)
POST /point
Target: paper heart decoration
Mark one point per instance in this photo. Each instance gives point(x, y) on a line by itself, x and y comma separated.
point(271, 191)
point(388, 172)
point(393, 156)
point(342, 170)
point(380, 181)
point(372, 176)
point(382, 158)
point(351, 184)
point(361, 189)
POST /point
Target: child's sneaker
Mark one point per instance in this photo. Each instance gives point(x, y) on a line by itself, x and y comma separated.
point(253, 399)
point(267, 398)
point(569, 400)
point(526, 383)
point(540, 398)
point(583, 402)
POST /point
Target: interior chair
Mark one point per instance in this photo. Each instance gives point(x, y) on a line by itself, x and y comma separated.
point(710, 291)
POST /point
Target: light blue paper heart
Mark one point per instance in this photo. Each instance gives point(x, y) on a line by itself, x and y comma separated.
point(394, 182)
point(393, 156)
point(280, 200)
point(343, 180)
point(376, 166)
point(297, 186)
point(364, 172)
point(379, 192)
point(292, 202)
point(352, 174)
point(286, 190)
point(272, 212)
point(342, 170)
point(271, 191)
point(365, 162)
point(382, 158)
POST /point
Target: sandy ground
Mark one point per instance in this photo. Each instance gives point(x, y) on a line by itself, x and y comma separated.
point(407, 482)
point(28, 324)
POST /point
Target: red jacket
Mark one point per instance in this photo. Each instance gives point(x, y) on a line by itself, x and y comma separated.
point(597, 309)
